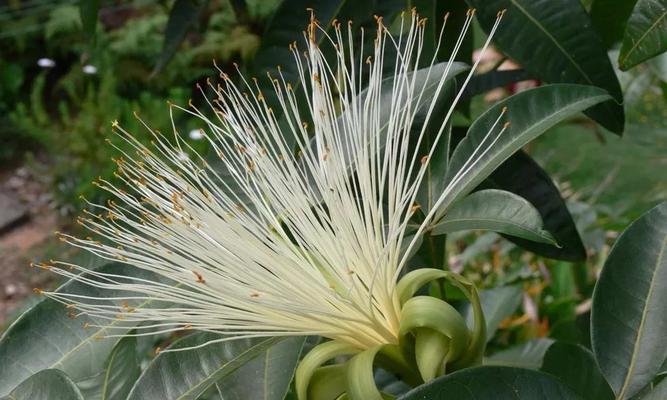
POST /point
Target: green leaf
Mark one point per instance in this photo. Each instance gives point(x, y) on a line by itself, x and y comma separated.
point(492, 383)
point(48, 384)
point(495, 210)
point(266, 377)
point(530, 113)
point(188, 374)
point(182, 17)
point(645, 34)
point(119, 374)
point(609, 19)
point(521, 175)
point(555, 42)
point(88, 11)
point(659, 392)
point(575, 366)
point(525, 355)
point(498, 304)
point(482, 83)
point(629, 312)
point(45, 337)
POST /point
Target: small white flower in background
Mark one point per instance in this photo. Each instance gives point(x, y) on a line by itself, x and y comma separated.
point(89, 69)
point(281, 242)
point(46, 63)
point(196, 134)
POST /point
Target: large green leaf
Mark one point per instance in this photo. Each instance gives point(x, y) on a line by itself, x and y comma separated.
point(575, 366)
point(498, 303)
point(492, 383)
point(118, 376)
point(629, 313)
point(659, 392)
point(49, 384)
point(645, 34)
point(494, 79)
point(46, 337)
point(521, 175)
point(609, 18)
point(555, 41)
point(267, 377)
point(526, 355)
point(530, 113)
point(188, 374)
point(494, 210)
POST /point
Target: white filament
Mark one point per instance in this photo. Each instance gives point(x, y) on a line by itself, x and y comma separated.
point(272, 241)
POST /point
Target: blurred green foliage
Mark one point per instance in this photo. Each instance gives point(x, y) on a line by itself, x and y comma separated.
point(65, 109)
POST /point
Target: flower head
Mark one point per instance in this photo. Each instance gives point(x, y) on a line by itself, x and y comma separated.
point(300, 227)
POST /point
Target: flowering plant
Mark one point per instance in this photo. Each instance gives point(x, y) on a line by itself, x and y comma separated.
point(308, 219)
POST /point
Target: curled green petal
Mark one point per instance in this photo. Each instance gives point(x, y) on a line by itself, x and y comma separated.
point(478, 339)
point(436, 314)
point(360, 378)
point(413, 280)
point(431, 349)
point(314, 359)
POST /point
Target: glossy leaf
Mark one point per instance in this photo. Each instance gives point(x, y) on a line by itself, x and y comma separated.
point(530, 113)
point(188, 374)
point(46, 337)
point(492, 383)
point(49, 384)
point(494, 79)
point(555, 42)
point(645, 34)
point(659, 392)
point(120, 372)
point(575, 366)
point(266, 377)
point(629, 313)
point(525, 355)
point(498, 303)
point(521, 175)
point(182, 18)
point(609, 18)
point(495, 210)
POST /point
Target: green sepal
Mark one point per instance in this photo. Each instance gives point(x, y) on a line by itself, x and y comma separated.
point(438, 315)
point(414, 280)
point(314, 359)
point(431, 349)
point(477, 344)
point(360, 378)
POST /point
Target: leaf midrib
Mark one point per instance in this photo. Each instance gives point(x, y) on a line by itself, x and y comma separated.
point(503, 148)
point(268, 342)
point(553, 39)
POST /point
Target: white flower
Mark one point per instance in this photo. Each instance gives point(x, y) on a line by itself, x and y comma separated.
point(277, 242)
point(196, 134)
point(89, 69)
point(46, 63)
